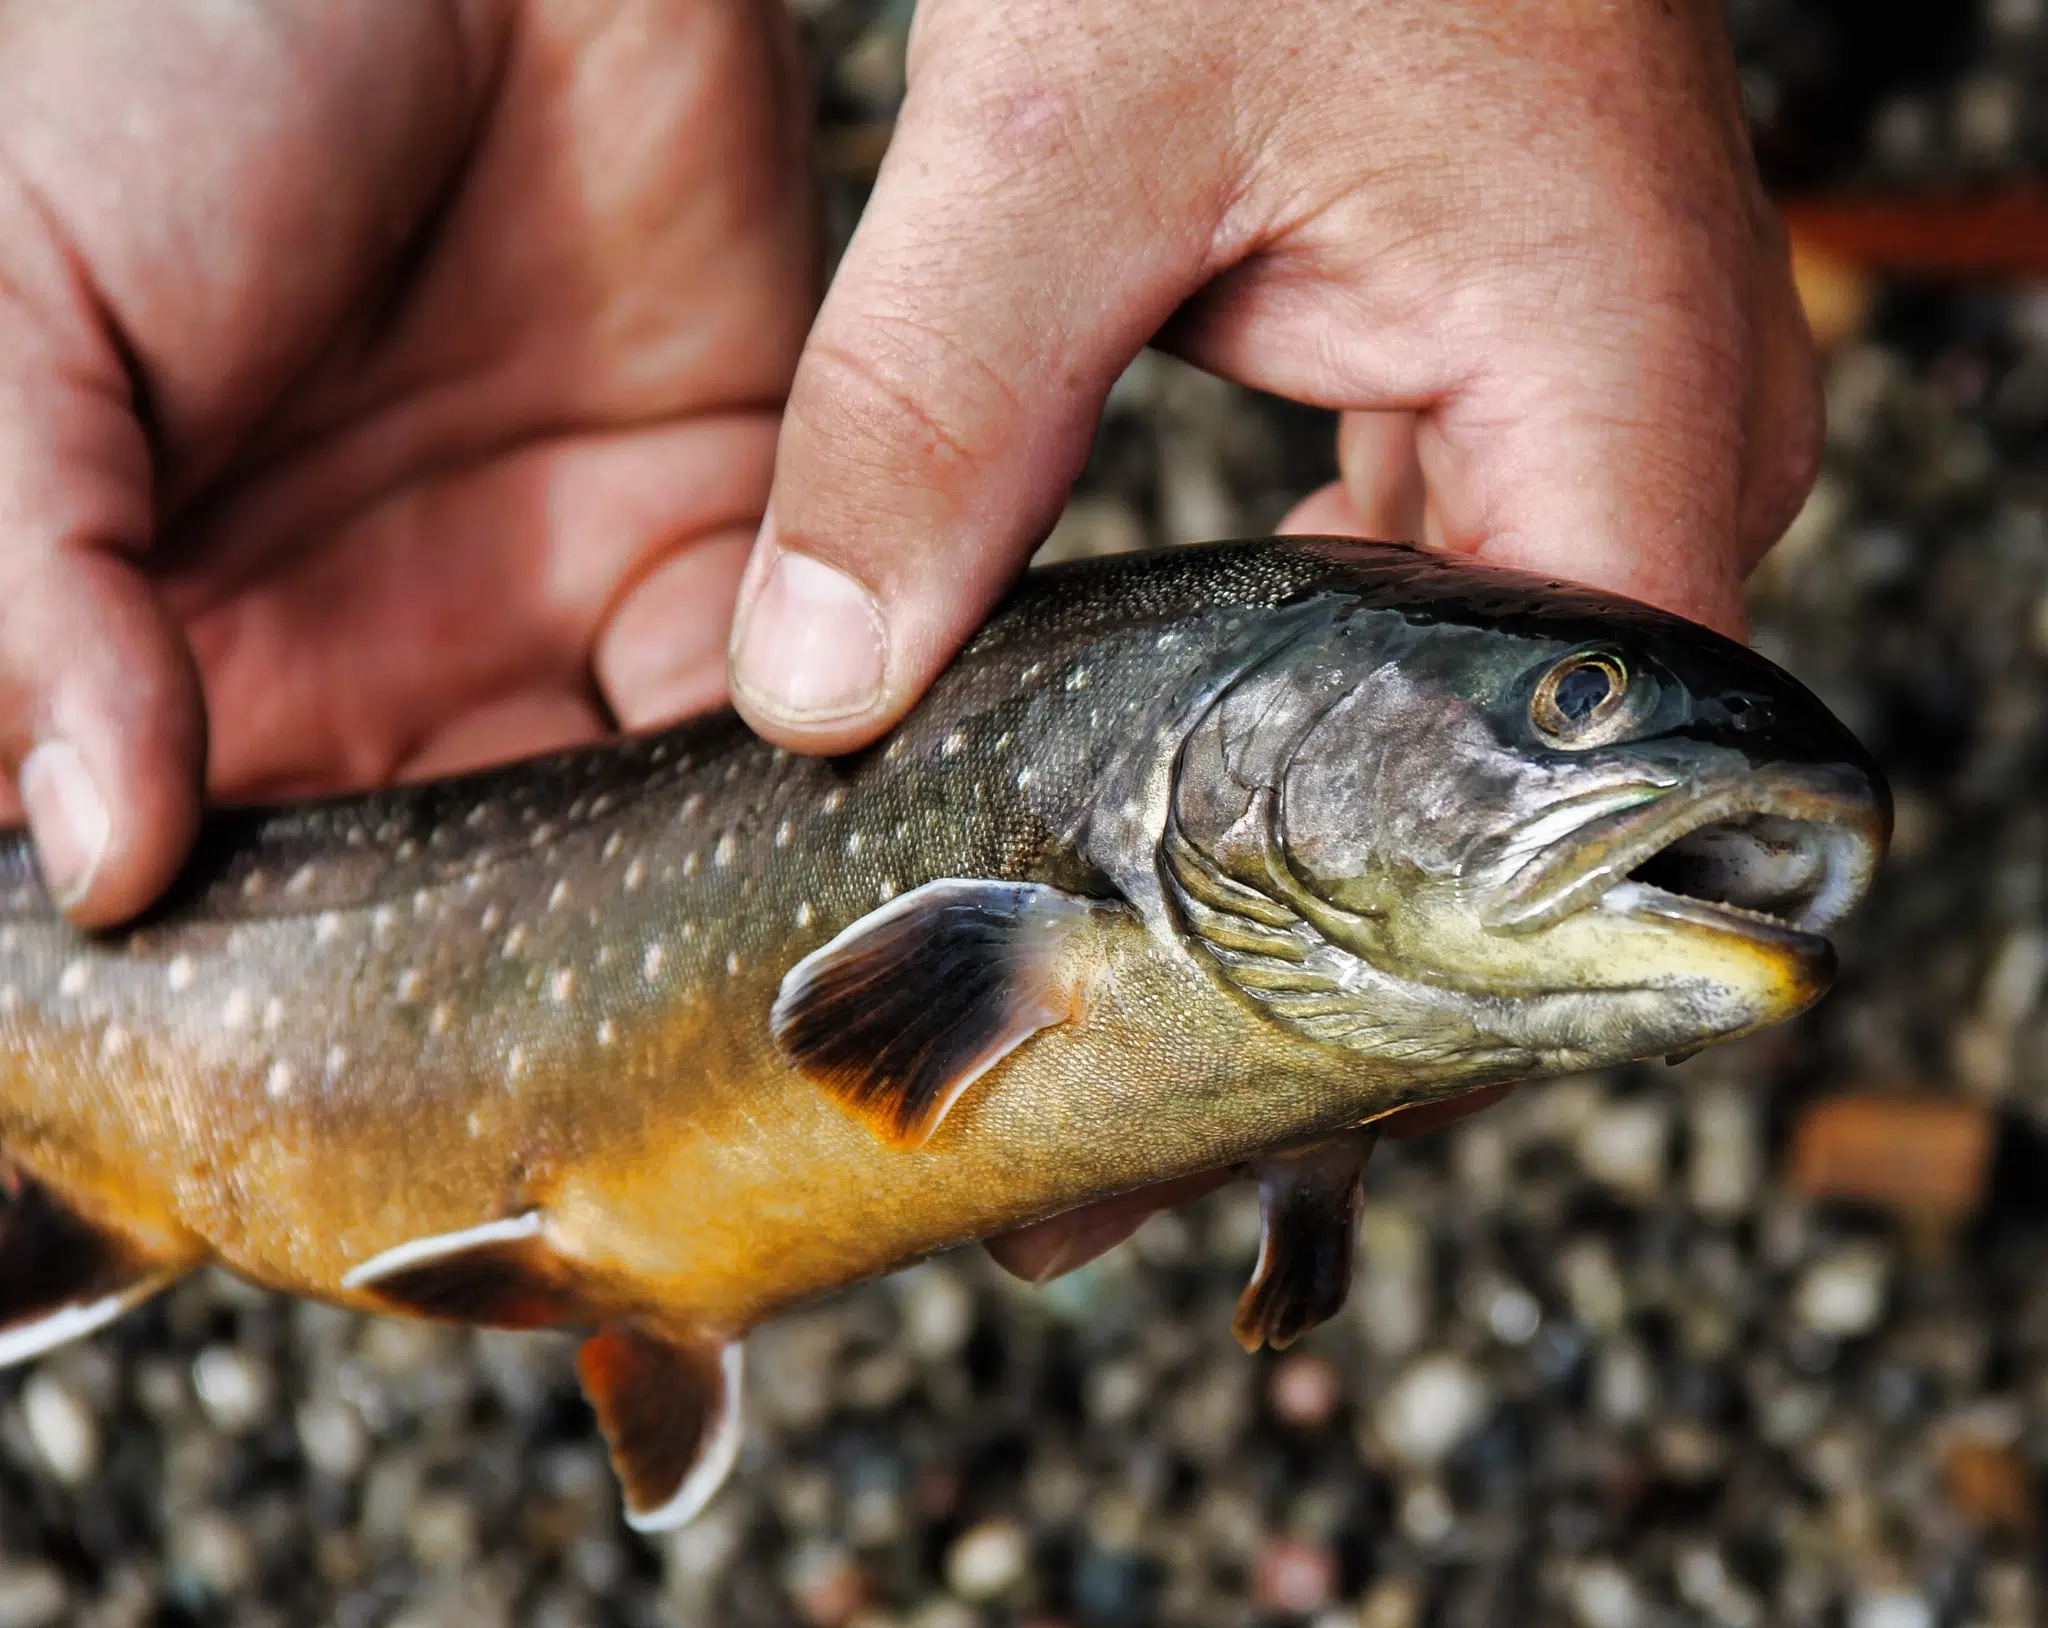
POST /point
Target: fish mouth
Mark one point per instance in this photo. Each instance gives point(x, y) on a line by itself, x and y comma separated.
point(1776, 857)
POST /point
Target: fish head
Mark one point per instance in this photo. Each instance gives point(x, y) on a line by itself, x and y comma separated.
point(1513, 828)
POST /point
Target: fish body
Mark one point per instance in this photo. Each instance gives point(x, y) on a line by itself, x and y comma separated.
point(1194, 860)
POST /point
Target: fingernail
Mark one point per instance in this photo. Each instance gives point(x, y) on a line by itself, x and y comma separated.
point(810, 646)
point(68, 818)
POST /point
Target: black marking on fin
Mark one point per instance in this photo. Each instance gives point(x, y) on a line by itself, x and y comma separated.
point(503, 1274)
point(910, 1005)
point(670, 1412)
point(1308, 1214)
point(62, 1276)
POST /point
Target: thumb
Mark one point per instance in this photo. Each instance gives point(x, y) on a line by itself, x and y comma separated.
point(101, 723)
point(947, 395)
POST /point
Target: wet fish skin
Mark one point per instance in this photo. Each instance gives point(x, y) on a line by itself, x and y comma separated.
point(540, 999)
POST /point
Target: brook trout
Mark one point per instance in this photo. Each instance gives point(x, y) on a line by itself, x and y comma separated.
point(1198, 860)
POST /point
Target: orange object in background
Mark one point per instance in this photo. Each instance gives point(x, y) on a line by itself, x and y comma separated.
point(1923, 1157)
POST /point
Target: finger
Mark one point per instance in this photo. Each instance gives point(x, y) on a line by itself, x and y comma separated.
point(516, 726)
point(662, 655)
point(100, 720)
point(1787, 419)
point(1047, 1249)
point(1376, 458)
point(947, 395)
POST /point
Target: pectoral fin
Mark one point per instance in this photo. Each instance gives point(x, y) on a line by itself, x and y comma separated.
point(503, 1274)
point(670, 1412)
point(1308, 1220)
point(914, 1002)
point(63, 1276)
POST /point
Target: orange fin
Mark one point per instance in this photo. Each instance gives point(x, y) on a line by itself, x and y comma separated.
point(62, 1276)
point(1308, 1233)
point(503, 1274)
point(671, 1415)
point(914, 1002)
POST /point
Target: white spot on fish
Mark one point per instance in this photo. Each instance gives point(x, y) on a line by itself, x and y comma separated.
point(690, 863)
point(600, 806)
point(383, 919)
point(558, 895)
point(650, 963)
point(179, 973)
point(803, 914)
point(406, 850)
point(326, 926)
point(853, 844)
point(887, 890)
point(1078, 679)
point(543, 834)
point(1023, 778)
point(687, 931)
point(273, 1015)
point(440, 1017)
point(636, 873)
point(237, 1009)
point(253, 884)
point(1031, 672)
point(422, 902)
point(301, 880)
point(1003, 741)
point(835, 800)
point(74, 978)
point(114, 1041)
point(277, 1084)
point(895, 750)
point(408, 986)
point(337, 1060)
point(727, 850)
point(604, 955)
point(953, 745)
point(515, 1063)
point(516, 939)
point(612, 844)
point(732, 963)
point(607, 1032)
point(475, 1122)
point(10, 997)
point(562, 985)
point(476, 816)
point(493, 918)
point(691, 804)
point(783, 832)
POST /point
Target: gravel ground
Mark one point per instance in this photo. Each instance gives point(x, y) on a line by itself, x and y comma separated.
point(1614, 1359)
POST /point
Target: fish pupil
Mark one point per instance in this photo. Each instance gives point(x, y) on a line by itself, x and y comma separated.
point(1583, 691)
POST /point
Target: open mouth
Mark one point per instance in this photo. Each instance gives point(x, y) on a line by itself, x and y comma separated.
point(1782, 855)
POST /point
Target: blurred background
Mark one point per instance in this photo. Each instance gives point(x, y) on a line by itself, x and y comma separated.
point(1761, 1339)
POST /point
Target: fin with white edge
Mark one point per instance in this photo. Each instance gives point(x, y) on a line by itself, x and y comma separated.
point(61, 1275)
point(502, 1274)
point(670, 1412)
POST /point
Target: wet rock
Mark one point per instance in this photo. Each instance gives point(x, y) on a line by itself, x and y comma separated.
point(1433, 1408)
point(234, 1388)
point(1305, 1390)
point(987, 1561)
point(66, 1435)
point(32, 1594)
point(1294, 1578)
point(1843, 1293)
point(1624, 1145)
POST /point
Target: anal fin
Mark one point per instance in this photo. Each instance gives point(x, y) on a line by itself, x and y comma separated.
point(1308, 1236)
point(502, 1274)
point(909, 1006)
point(670, 1412)
point(63, 1276)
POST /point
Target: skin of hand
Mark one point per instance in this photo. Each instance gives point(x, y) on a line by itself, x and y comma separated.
point(383, 389)
point(1521, 244)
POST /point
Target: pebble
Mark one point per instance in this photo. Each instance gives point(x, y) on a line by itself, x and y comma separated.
point(1605, 1596)
point(1294, 1578)
point(938, 1310)
point(1891, 1608)
point(61, 1426)
point(988, 1560)
point(32, 1594)
point(1843, 1293)
point(1432, 1409)
point(1305, 1390)
point(1726, 1165)
point(234, 1387)
point(1624, 1148)
point(825, 1583)
point(332, 1437)
point(211, 1552)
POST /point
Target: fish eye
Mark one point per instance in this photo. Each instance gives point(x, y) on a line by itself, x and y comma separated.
point(1583, 699)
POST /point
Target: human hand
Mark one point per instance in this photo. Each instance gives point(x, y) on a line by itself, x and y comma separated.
point(1522, 245)
point(401, 378)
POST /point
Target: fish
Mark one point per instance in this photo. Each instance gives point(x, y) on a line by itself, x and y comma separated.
point(1208, 859)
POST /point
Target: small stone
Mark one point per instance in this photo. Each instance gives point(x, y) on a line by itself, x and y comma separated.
point(1432, 1408)
point(1987, 1484)
point(1725, 1170)
point(1513, 1314)
point(1426, 1513)
point(944, 1613)
point(1891, 1608)
point(1623, 1147)
point(988, 1560)
point(1393, 1602)
point(1294, 1578)
point(825, 1584)
point(1624, 1383)
point(211, 1554)
point(1305, 1390)
point(938, 1310)
point(1843, 1293)
point(1593, 1285)
point(61, 1426)
point(442, 1532)
point(1605, 1596)
point(1917, 1156)
point(332, 1437)
point(233, 1387)
point(32, 1594)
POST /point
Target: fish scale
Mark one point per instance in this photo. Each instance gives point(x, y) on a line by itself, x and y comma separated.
point(659, 1036)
